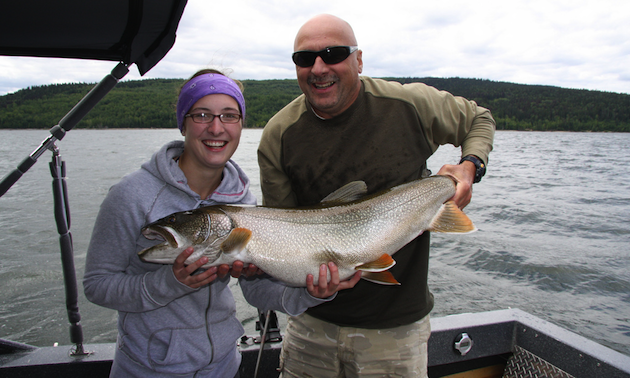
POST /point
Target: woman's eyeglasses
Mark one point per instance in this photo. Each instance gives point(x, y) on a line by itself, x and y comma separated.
point(330, 55)
point(208, 118)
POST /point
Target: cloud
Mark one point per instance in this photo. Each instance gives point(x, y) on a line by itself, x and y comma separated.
point(575, 44)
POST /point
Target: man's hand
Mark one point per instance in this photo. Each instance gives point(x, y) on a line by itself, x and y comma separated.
point(464, 175)
point(325, 288)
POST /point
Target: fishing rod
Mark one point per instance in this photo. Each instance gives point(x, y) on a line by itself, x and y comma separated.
point(269, 332)
point(262, 342)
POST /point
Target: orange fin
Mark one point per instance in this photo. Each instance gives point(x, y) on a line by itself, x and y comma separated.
point(383, 278)
point(238, 239)
point(382, 263)
point(450, 219)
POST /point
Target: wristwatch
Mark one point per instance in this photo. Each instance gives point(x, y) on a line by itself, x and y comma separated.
point(481, 166)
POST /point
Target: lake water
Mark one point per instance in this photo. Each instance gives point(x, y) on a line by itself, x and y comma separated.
point(553, 214)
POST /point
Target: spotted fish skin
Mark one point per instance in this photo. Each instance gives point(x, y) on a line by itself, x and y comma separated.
point(355, 231)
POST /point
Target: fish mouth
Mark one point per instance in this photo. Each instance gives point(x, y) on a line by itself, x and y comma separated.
point(160, 233)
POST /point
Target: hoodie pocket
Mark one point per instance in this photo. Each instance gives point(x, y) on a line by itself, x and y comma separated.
point(179, 350)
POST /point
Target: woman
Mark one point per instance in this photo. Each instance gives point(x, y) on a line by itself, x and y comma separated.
point(175, 319)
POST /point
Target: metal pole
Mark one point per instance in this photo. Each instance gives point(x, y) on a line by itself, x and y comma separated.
point(262, 342)
point(66, 124)
point(62, 218)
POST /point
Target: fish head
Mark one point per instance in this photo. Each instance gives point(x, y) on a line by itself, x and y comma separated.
point(187, 227)
point(203, 229)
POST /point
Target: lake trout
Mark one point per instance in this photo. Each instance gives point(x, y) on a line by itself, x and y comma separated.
point(354, 230)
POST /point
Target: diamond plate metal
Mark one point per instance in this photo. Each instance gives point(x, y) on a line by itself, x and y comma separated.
point(524, 364)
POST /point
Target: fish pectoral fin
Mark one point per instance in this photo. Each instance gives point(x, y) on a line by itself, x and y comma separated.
point(238, 239)
point(382, 278)
point(350, 192)
point(450, 219)
point(382, 263)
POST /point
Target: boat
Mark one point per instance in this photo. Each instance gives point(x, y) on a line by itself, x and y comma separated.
point(503, 343)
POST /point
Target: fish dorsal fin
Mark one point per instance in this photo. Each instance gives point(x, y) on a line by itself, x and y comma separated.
point(238, 239)
point(382, 263)
point(450, 219)
point(382, 278)
point(350, 192)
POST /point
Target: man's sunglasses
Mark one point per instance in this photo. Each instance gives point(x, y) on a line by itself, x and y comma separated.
point(330, 55)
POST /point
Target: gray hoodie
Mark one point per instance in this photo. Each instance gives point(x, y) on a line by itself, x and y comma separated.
point(164, 326)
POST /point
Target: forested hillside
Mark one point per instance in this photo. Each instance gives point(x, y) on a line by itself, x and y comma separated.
point(151, 104)
point(539, 107)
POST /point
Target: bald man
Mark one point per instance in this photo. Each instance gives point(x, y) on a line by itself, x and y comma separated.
point(347, 127)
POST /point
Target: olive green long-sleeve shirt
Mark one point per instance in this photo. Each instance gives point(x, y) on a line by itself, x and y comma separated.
point(384, 139)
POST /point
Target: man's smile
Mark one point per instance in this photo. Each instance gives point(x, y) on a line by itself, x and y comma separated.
point(323, 85)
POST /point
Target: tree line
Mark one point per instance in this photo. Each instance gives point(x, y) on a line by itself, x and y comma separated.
point(151, 104)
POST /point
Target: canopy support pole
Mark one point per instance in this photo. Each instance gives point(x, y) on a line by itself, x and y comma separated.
point(66, 124)
point(62, 218)
point(60, 194)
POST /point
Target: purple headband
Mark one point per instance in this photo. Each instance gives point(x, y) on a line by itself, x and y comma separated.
point(204, 85)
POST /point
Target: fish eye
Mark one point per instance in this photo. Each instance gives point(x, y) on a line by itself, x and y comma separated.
point(172, 219)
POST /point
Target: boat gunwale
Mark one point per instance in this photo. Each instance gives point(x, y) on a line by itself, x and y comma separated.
point(494, 333)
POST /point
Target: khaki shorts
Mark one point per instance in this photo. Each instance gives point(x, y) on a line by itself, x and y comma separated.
point(314, 348)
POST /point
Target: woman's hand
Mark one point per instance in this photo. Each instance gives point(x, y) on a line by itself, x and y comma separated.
point(325, 288)
point(184, 273)
point(238, 269)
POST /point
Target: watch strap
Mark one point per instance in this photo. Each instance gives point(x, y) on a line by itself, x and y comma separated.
point(481, 166)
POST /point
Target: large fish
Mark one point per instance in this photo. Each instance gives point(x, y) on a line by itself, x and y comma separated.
point(355, 231)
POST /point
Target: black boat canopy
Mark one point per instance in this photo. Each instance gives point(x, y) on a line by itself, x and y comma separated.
point(138, 32)
point(128, 31)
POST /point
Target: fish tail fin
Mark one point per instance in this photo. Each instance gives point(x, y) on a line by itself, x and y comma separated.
point(238, 239)
point(382, 263)
point(382, 278)
point(450, 219)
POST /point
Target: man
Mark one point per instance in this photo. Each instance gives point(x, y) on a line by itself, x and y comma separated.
point(345, 128)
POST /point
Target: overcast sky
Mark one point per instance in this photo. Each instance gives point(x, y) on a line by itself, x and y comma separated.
point(567, 43)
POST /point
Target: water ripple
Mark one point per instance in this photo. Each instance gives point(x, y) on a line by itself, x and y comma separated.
point(552, 214)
